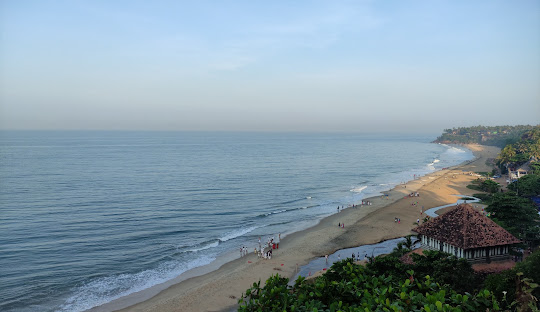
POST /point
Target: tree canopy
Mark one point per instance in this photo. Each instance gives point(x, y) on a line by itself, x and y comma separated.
point(526, 186)
point(516, 214)
point(351, 287)
point(495, 135)
point(525, 149)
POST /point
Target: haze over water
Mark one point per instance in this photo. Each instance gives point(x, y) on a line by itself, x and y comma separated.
point(88, 217)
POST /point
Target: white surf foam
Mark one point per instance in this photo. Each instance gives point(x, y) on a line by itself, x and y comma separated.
point(455, 149)
point(359, 189)
point(109, 288)
point(204, 246)
point(237, 233)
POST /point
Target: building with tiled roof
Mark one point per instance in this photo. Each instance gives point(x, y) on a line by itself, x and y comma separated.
point(466, 233)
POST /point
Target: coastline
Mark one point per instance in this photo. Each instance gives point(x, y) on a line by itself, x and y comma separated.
point(220, 289)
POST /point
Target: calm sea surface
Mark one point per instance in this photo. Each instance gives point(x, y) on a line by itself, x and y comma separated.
point(87, 217)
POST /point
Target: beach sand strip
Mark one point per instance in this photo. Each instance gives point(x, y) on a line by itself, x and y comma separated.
point(219, 290)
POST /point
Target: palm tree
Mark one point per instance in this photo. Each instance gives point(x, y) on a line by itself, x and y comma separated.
point(409, 243)
point(534, 151)
point(506, 155)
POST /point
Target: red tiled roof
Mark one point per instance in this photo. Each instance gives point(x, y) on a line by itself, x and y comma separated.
point(466, 228)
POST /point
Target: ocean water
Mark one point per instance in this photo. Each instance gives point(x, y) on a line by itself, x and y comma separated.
point(88, 217)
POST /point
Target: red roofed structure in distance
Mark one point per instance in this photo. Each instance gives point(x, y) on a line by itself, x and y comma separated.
point(466, 233)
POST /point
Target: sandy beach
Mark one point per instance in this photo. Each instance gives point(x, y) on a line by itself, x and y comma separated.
point(219, 290)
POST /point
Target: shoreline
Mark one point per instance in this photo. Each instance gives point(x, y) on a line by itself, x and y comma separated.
point(219, 289)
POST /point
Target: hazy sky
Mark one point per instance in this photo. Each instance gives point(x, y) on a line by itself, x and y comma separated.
point(268, 65)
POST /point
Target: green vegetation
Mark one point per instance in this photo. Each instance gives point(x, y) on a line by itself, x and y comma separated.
point(515, 210)
point(495, 136)
point(350, 287)
point(535, 168)
point(518, 215)
point(443, 268)
point(503, 285)
point(488, 186)
point(525, 149)
point(526, 186)
point(485, 198)
point(436, 281)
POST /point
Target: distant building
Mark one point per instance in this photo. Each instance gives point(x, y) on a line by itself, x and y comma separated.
point(466, 233)
point(516, 173)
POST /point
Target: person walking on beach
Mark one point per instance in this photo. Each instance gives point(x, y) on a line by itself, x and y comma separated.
point(338, 209)
point(326, 258)
point(338, 257)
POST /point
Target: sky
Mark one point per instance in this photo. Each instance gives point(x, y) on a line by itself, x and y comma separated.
point(355, 66)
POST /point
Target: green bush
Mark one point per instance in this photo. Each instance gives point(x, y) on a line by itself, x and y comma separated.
point(485, 198)
point(517, 215)
point(356, 290)
point(446, 270)
point(526, 186)
point(490, 186)
point(503, 284)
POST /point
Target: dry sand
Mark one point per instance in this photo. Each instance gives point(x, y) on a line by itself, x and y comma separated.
point(219, 290)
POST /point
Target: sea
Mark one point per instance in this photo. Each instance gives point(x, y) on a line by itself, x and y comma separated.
point(87, 217)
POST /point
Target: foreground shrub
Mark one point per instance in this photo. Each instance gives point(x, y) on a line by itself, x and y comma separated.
point(350, 287)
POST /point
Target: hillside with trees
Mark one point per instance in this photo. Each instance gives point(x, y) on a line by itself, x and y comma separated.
point(495, 136)
point(527, 148)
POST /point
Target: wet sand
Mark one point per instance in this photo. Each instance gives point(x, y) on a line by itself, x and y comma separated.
point(219, 290)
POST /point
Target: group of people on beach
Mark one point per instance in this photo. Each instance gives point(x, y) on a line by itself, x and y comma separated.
point(414, 194)
point(364, 202)
point(265, 251)
point(243, 251)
